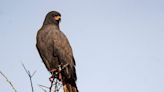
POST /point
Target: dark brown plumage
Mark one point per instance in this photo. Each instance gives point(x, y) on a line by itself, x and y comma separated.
point(54, 49)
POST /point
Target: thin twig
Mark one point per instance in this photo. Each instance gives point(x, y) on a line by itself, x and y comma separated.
point(52, 81)
point(58, 85)
point(30, 76)
point(42, 87)
point(33, 74)
point(9, 82)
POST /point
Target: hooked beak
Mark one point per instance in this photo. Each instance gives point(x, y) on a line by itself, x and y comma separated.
point(57, 18)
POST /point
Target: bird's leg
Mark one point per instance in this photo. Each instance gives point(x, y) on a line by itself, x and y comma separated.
point(59, 71)
point(56, 73)
point(53, 74)
point(60, 77)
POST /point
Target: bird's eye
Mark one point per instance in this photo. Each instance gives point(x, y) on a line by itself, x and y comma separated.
point(56, 17)
point(53, 15)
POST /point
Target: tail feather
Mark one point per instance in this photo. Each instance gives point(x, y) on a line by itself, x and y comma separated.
point(70, 88)
point(69, 79)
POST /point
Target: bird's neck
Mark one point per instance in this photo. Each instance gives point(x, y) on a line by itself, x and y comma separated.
point(50, 26)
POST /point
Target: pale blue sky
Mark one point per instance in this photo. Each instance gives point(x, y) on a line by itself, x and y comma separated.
point(118, 44)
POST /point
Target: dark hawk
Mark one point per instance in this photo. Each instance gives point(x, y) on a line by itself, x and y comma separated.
point(56, 52)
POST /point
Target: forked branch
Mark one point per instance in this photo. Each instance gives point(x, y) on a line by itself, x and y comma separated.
point(30, 76)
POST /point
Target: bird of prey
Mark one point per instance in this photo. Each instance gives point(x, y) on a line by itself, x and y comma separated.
point(56, 52)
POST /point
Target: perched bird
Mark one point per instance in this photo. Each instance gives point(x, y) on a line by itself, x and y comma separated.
point(56, 52)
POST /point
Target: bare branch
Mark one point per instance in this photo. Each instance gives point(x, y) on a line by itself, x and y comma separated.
point(52, 81)
point(9, 82)
point(33, 74)
point(30, 76)
point(58, 85)
point(55, 85)
point(42, 87)
point(25, 69)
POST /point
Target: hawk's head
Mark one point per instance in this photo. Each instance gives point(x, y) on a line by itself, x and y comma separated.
point(53, 17)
